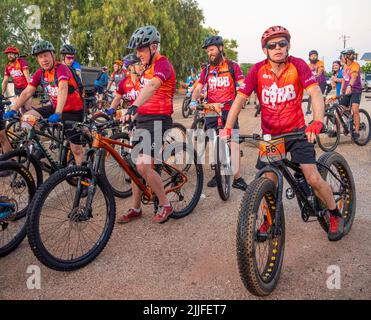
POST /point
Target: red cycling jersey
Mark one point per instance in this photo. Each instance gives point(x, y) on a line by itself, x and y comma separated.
point(128, 90)
point(220, 83)
point(280, 98)
point(50, 85)
point(161, 103)
point(15, 70)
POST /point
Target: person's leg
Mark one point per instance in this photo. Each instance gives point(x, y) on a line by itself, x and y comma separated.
point(4, 142)
point(78, 153)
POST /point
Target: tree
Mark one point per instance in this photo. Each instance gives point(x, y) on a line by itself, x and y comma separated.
point(366, 68)
point(245, 67)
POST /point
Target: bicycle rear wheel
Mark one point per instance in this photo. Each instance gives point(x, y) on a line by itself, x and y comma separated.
point(186, 111)
point(345, 197)
point(17, 188)
point(259, 255)
point(68, 227)
point(329, 140)
point(364, 128)
point(223, 168)
point(183, 158)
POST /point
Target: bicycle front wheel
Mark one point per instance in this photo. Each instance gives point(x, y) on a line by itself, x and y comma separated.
point(329, 140)
point(223, 168)
point(17, 188)
point(68, 227)
point(259, 251)
point(364, 128)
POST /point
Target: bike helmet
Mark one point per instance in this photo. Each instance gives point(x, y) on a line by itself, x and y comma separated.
point(41, 46)
point(213, 41)
point(348, 51)
point(130, 59)
point(11, 49)
point(68, 49)
point(274, 32)
point(144, 36)
point(313, 52)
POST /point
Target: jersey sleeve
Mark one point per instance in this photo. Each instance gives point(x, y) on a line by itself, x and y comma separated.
point(163, 69)
point(6, 72)
point(355, 68)
point(36, 78)
point(306, 77)
point(23, 64)
point(251, 82)
point(238, 72)
point(63, 73)
point(203, 76)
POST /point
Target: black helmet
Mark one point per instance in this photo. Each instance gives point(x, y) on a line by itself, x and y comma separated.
point(68, 49)
point(144, 36)
point(213, 41)
point(41, 46)
point(130, 59)
point(313, 52)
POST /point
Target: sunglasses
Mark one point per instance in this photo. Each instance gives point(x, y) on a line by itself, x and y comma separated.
point(273, 45)
point(70, 57)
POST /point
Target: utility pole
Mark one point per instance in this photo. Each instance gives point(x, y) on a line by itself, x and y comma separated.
point(344, 38)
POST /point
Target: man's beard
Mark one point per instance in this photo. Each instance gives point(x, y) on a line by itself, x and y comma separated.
point(12, 59)
point(217, 61)
point(313, 61)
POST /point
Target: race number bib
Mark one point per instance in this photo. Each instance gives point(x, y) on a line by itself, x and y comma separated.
point(272, 151)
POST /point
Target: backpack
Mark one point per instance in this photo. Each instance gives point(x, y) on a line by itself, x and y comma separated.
point(230, 70)
point(71, 89)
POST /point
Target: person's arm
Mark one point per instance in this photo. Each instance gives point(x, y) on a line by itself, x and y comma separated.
point(196, 93)
point(5, 84)
point(62, 96)
point(235, 110)
point(25, 95)
point(318, 106)
point(109, 84)
point(353, 79)
point(148, 91)
point(26, 73)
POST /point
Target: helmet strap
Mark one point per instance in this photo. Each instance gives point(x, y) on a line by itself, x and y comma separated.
point(283, 61)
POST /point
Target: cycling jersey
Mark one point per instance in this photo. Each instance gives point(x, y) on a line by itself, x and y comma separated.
point(50, 85)
point(315, 68)
point(117, 76)
point(280, 98)
point(161, 103)
point(347, 75)
point(128, 90)
point(15, 70)
point(220, 82)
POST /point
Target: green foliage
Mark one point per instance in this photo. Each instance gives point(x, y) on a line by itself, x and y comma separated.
point(245, 67)
point(366, 68)
point(101, 29)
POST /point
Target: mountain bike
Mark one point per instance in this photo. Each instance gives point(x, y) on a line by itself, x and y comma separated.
point(260, 255)
point(17, 187)
point(69, 226)
point(339, 117)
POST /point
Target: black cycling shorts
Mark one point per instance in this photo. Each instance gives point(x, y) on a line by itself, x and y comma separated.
point(146, 128)
point(301, 151)
point(348, 100)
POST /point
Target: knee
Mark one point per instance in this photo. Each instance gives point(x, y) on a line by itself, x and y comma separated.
point(77, 150)
point(142, 169)
point(314, 179)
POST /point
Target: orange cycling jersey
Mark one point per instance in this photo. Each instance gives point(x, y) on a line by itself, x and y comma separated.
point(348, 71)
point(315, 70)
point(15, 70)
point(128, 90)
point(280, 97)
point(161, 103)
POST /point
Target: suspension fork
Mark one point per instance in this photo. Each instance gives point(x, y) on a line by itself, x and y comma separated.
point(277, 228)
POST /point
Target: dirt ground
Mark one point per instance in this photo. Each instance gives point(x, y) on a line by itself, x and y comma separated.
point(195, 257)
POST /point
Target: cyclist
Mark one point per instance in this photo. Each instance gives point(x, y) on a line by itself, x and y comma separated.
point(129, 87)
point(68, 54)
point(220, 77)
point(153, 106)
point(117, 75)
point(58, 82)
point(280, 81)
point(318, 70)
point(352, 87)
point(337, 76)
point(101, 82)
point(191, 80)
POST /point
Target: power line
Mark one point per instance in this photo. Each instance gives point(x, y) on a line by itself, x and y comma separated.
point(344, 38)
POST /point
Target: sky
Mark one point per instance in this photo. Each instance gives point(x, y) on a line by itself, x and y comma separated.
point(313, 24)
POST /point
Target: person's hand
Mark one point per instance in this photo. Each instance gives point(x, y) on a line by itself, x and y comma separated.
point(9, 114)
point(313, 130)
point(111, 111)
point(54, 118)
point(225, 133)
point(194, 104)
point(348, 91)
point(131, 113)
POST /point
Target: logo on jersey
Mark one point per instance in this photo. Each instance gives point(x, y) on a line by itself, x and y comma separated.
point(273, 95)
point(16, 73)
point(218, 82)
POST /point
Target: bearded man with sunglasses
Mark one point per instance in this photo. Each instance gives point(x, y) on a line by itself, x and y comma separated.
point(280, 81)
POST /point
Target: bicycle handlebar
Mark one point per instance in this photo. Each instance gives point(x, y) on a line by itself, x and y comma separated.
point(268, 137)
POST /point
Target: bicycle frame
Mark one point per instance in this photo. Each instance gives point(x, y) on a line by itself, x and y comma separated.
point(100, 142)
